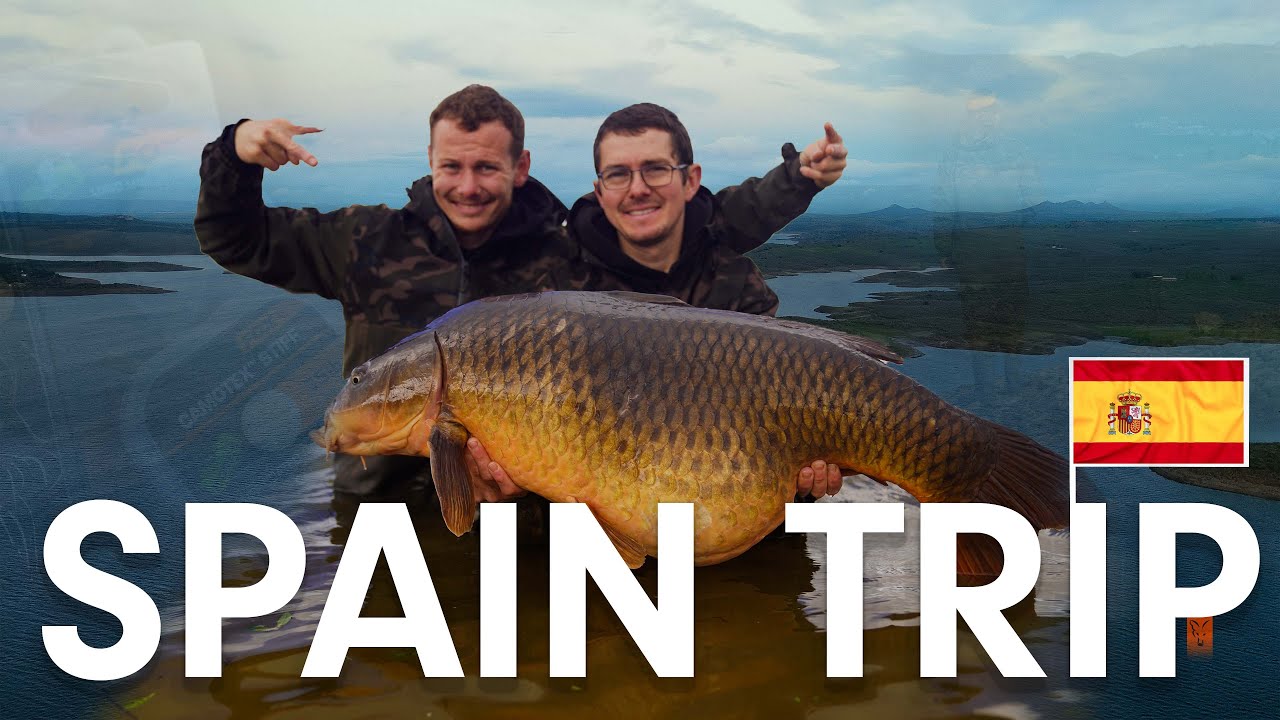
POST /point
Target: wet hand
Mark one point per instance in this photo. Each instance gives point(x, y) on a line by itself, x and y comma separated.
point(489, 482)
point(819, 479)
point(269, 143)
point(825, 159)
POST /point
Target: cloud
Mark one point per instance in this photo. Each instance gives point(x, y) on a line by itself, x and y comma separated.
point(1085, 90)
point(1251, 163)
point(778, 17)
point(731, 146)
point(1016, 77)
point(20, 43)
point(550, 102)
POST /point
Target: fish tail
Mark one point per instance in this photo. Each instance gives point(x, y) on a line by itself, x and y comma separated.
point(1028, 478)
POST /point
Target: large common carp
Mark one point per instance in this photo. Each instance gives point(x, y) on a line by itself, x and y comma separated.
point(622, 401)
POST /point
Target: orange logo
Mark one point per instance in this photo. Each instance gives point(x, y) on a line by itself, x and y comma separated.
point(1200, 636)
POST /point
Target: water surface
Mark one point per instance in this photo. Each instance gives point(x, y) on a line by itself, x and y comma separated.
point(206, 395)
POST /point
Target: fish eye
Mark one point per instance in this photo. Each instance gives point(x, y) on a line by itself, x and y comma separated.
point(355, 379)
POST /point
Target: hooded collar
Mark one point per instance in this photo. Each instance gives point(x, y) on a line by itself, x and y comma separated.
point(534, 211)
point(587, 222)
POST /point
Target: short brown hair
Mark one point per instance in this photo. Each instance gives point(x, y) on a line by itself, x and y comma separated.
point(475, 105)
point(635, 119)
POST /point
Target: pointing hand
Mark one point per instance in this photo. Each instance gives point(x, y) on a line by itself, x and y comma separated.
point(824, 160)
point(269, 143)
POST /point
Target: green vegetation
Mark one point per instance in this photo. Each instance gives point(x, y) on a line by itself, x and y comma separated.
point(1261, 478)
point(36, 234)
point(41, 277)
point(873, 251)
point(1031, 289)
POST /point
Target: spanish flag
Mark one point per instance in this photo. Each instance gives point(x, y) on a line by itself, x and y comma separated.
point(1166, 411)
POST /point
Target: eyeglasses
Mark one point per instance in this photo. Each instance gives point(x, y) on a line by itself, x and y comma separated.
point(655, 176)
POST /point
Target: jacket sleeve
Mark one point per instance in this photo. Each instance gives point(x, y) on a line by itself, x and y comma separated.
point(298, 250)
point(757, 297)
point(753, 211)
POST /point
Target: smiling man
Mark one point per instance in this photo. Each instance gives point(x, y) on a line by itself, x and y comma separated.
point(474, 180)
point(653, 227)
point(478, 226)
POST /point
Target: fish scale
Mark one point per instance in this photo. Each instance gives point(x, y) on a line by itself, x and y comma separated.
point(622, 402)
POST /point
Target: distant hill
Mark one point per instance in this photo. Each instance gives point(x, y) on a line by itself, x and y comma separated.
point(51, 234)
point(47, 234)
point(897, 212)
point(898, 220)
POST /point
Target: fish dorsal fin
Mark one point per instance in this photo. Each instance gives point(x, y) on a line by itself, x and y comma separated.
point(870, 348)
point(631, 551)
point(645, 297)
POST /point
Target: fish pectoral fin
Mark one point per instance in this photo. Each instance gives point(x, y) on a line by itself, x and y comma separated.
point(629, 548)
point(448, 444)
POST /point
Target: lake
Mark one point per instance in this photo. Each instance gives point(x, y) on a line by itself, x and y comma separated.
point(206, 395)
point(799, 295)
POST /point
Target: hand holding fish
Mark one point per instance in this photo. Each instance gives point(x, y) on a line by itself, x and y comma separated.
point(269, 143)
point(825, 159)
point(489, 481)
point(819, 479)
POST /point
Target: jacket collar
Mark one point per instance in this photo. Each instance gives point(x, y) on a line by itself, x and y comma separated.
point(587, 222)
point(534, 212)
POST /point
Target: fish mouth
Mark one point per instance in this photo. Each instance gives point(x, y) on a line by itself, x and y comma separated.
point(334, 440)
point(408, 439)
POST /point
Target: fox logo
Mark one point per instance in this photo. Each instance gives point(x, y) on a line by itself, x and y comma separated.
point(1200, 636)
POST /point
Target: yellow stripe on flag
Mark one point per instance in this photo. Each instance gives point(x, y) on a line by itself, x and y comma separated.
point(1196, 411)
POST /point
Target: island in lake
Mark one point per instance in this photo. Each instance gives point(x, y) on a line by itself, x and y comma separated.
point(1261, 478)
point(45, 234)
point(1032, 287)
point(1057, 275)
point(26, 278)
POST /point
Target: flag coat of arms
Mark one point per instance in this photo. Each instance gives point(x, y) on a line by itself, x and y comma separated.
point(1159, 411)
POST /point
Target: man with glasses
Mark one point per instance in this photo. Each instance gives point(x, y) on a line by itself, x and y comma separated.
point(651, 227)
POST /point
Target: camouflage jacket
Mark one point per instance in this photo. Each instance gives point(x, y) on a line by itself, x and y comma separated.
point(396, 270)
point(711, 270)
point(393, 270)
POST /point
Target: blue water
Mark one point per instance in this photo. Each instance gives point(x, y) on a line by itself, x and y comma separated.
point(206, 395)
point(117, 396)
point(800, 295)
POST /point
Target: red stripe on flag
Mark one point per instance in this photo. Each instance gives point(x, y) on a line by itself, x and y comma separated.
point(1138, 453)
point(1156, 370)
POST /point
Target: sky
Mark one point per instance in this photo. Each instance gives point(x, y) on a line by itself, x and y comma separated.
point(984, 105)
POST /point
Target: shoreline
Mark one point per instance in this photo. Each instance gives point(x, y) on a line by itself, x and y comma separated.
point(44, 278)
point(1261, 479)
point(1033, 290)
